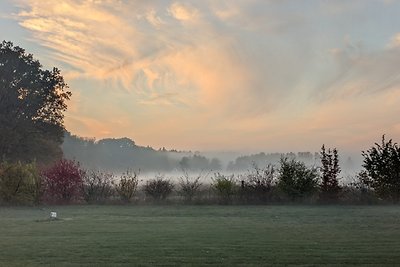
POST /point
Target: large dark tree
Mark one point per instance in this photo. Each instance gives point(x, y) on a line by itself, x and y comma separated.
point(32, 102)
point(382, 169)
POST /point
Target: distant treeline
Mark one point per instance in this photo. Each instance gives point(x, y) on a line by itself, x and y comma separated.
point(260, 159)
point(66, 181)
point(118, 154)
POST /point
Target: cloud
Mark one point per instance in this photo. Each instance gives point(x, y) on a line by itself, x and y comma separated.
point(357, 72)
point(104, 41)
point(395, 42)
point(81, 34)
point(153, 55)
point(183, 12)
point(154, 19)
point(252, 64)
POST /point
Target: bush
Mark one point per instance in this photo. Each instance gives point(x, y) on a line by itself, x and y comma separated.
point(97, 186)
point(296, 180)
point(356, 192)
point(19, 183)
point(189, 187)
point(159, 188)
point(63, 182)
point(127, 186)
point(382, 165)
point(225, 186)
point(258, 183)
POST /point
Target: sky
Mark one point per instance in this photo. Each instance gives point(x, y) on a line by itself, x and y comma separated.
point(228, 75)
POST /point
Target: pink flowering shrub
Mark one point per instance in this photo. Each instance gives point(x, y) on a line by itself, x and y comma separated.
point(63, 182)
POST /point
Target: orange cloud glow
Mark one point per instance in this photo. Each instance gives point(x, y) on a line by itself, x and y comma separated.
point(229, 75)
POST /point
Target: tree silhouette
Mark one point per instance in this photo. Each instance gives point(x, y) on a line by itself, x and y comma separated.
point(330, 169)
point(382, 165)
point(32, 102)
point(296, 179)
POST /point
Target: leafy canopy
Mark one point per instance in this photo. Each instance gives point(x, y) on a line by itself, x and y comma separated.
point(330, 170)
point(296, 179)
point(382, 165)
point(32, 102)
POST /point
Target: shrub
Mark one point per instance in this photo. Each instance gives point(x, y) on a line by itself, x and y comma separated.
point(127, 185)
point(357, 192)
point(257, 184)
point(296, 180)
point(382, 165)
point(225, 186)
point(63, 182)
point(189, 187)
point(330, 188)
point(97, 186)
point(19, 183)
point(158, 188)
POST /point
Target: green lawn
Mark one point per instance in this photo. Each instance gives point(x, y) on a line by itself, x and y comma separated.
point(200, 235)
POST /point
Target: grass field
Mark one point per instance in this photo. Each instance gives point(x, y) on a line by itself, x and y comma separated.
point(200, 235)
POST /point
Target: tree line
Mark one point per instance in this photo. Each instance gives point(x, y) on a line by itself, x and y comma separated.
point(66, 182)
point(117, 154)
point(33, 170)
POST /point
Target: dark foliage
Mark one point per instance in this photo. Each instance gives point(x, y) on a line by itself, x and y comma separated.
point(357, 192)
point(199, 163)
point(32, 102)
point(296, 179)
point(158, 188)
point(330, 188)
point(97, 186)
point(246, 162)
point(19, 183)
point(382, 165)
point(257, 184)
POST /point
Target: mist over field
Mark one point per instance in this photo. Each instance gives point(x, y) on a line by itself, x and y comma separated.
point(199, 133)
point(165, 88)
point(118, 155)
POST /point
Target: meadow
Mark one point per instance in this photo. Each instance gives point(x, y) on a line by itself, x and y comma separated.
point(170, 235)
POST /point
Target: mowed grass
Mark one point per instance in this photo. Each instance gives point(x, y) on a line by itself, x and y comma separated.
point(200, 235)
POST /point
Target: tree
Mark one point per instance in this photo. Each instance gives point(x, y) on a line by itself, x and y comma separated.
point(199, 163)
point(20, 183)
point(382, 165)
point(32, 102)
point(330, 169)
point(296, 179)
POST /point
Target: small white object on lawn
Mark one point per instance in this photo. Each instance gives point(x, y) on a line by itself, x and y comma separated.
point(53, 215)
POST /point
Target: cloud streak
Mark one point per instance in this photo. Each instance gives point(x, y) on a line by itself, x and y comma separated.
point(173, 46)
point(258, 64)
